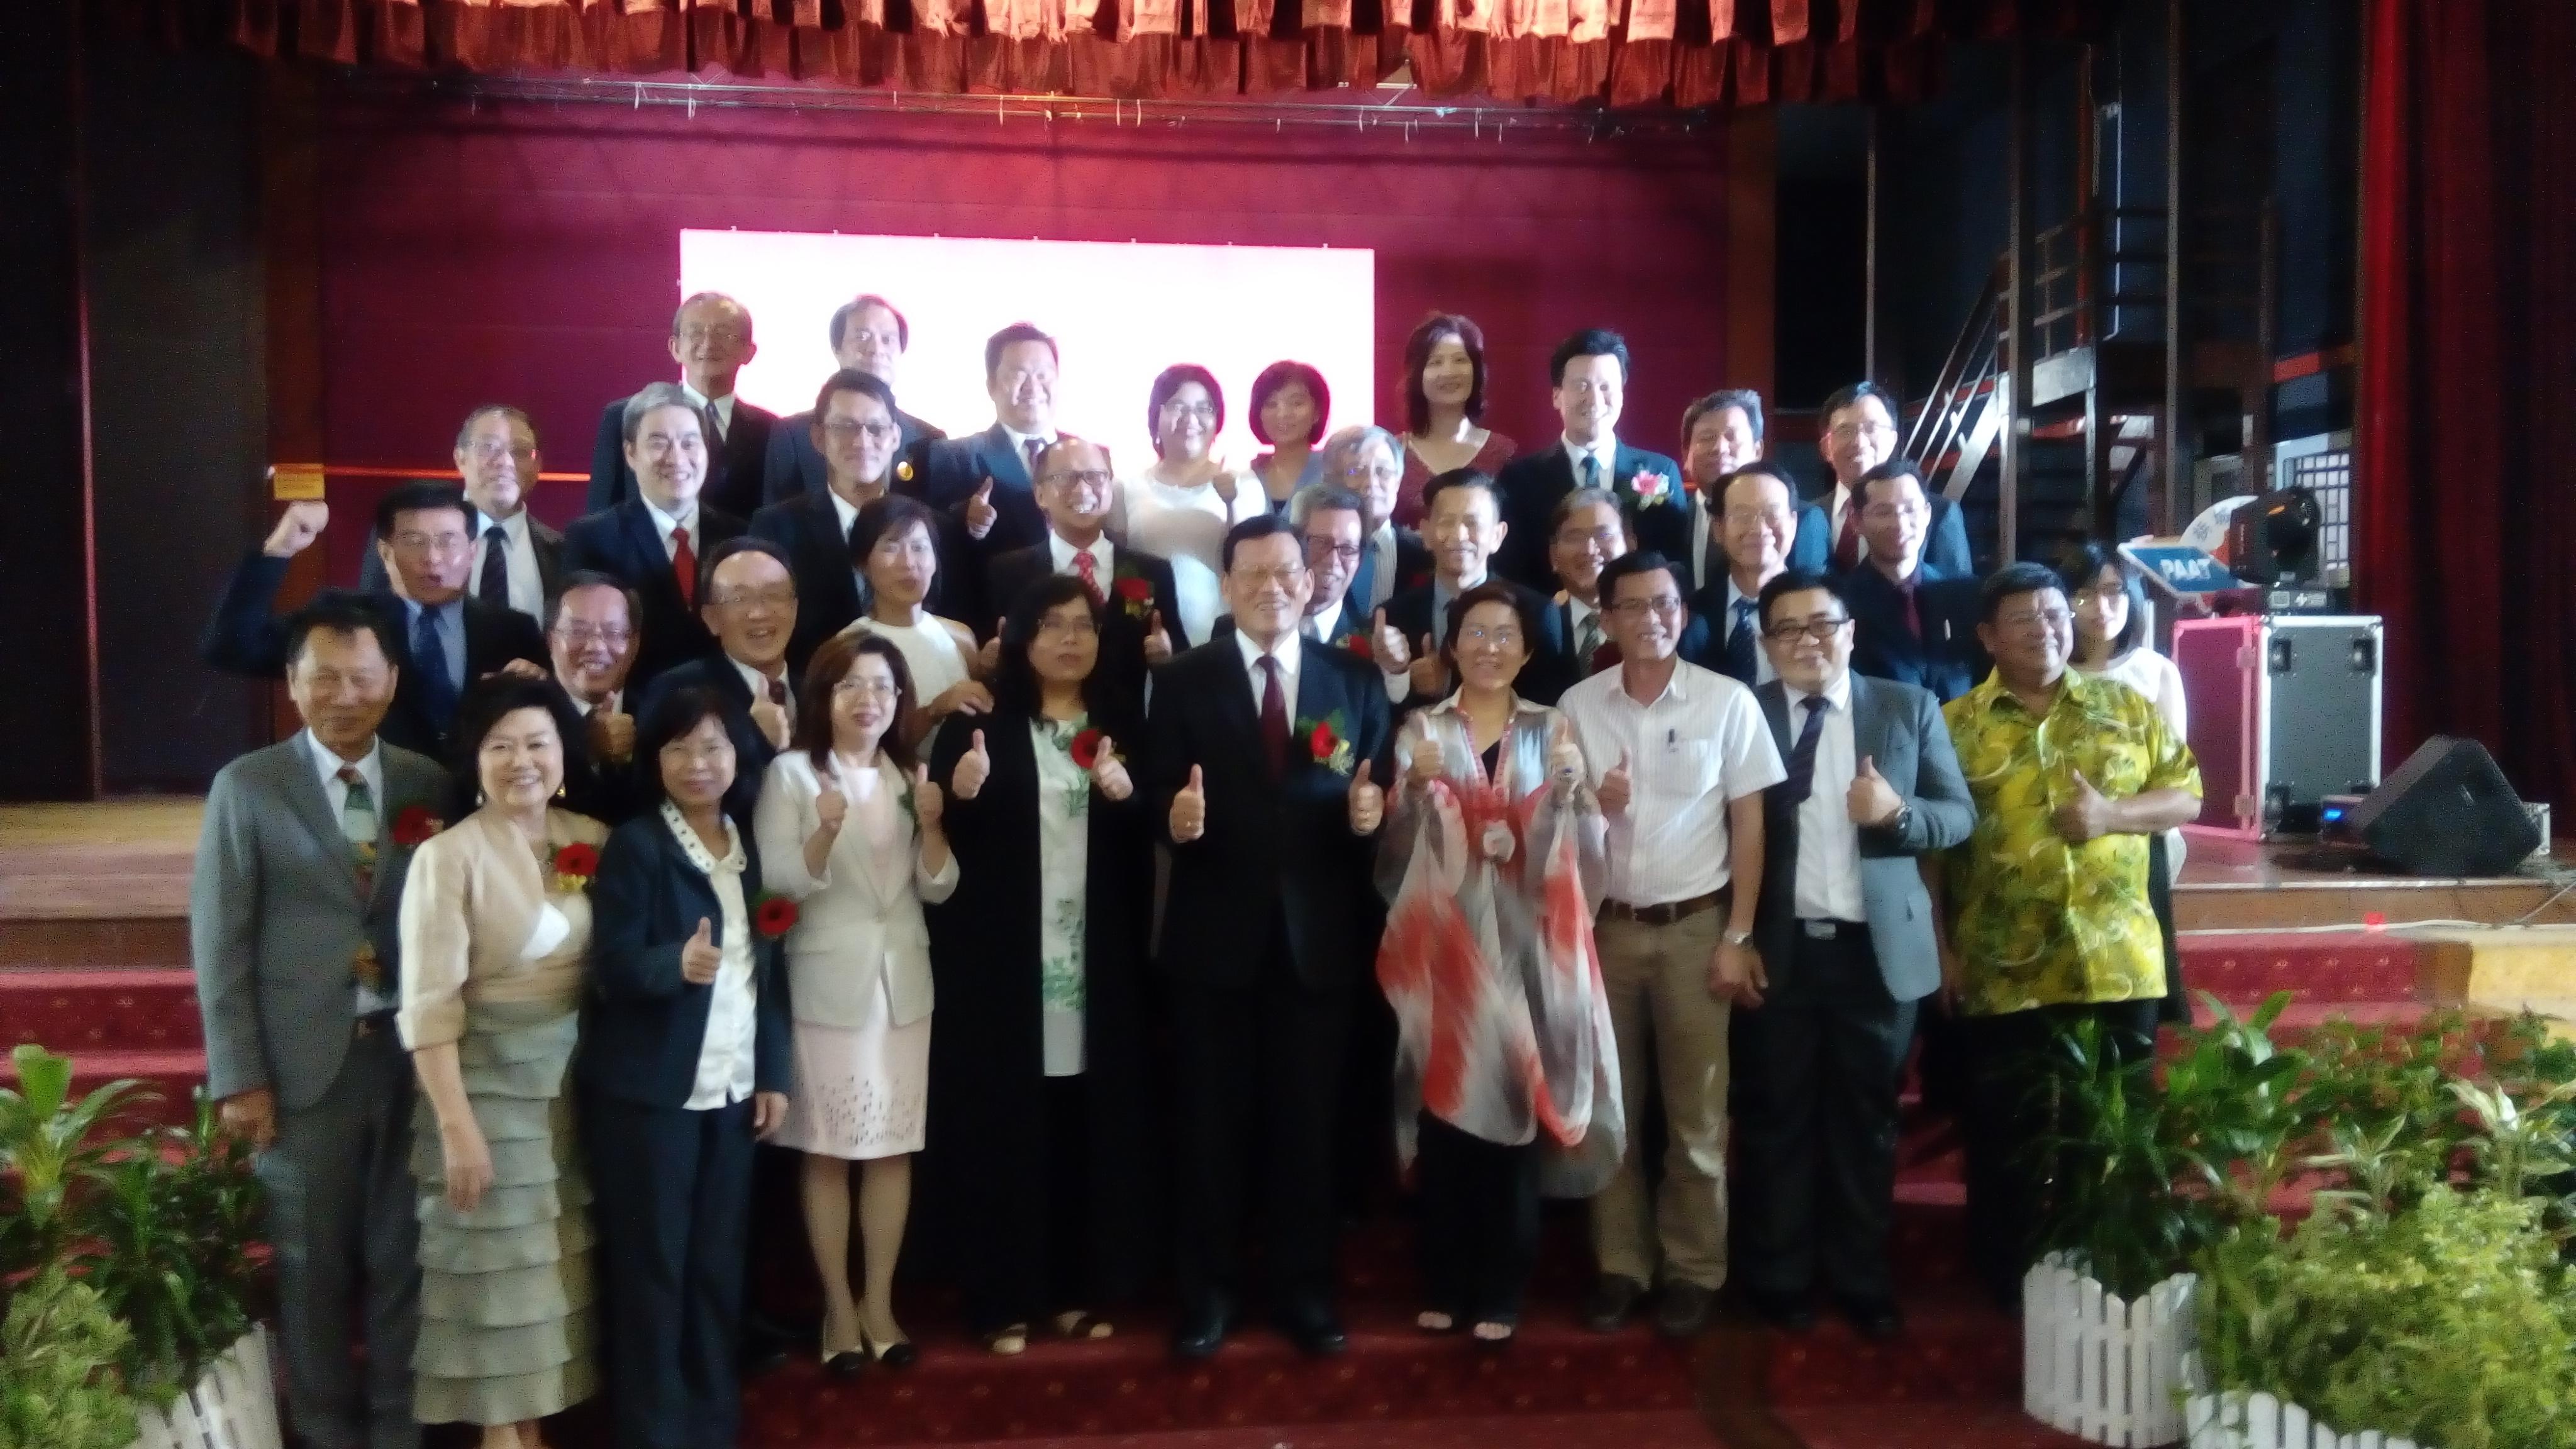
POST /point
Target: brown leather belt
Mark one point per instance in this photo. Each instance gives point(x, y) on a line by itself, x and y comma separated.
point(1662, 915)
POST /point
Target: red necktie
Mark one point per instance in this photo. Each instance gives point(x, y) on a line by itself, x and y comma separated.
point(684, 567)
point(1847, 543)
point(1913, 618)
point(1274, 718)
point(1089, 568)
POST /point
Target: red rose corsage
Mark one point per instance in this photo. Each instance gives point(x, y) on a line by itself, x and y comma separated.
point(1086, 749)
point(773, 916)
point(574, 865)
point(1358, 644)
point(413, 824)
point(1135, 594)
point(1326, 744)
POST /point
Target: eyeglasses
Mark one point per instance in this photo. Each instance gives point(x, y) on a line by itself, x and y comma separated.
point(776, 596)
point(585, 634)
point(1084, 478)
point(1820, 630)
point(1748, 518)
point(1610, 538)
point(1081, 628)
point(1284, 575)
point(1320, 549)
point(1666, 606)
point(1503, 638)
point(1176, 410)
point(861, 688)
point(879, 429)
point(493, 450)
point(2051, 620)
point(439, 543)
point(720, 336)
point(1373, 473)
point(656, 445)
point(2102, 593)
point(694, 751)
point(1846, 432)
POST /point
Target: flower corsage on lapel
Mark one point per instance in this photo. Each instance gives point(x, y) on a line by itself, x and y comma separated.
point(414, 825)
point(570, 871)
point(1648, 489)
point(1134, 593)
point(772, 916)
point(1089, 747)
point(1325, 742)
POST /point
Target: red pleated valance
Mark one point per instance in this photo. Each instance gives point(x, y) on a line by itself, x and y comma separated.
point(1683, 53)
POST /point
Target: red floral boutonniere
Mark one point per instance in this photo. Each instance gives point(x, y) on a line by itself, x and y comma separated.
point(574, 865)
point(413, 825)
point(772, 916)
point(1325, 743)
point(1358, 644)
point(1651, 490)
point(1135, 595)
point(1087, 749)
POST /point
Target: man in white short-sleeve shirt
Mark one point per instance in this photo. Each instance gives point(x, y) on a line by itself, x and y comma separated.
point(1680, 756)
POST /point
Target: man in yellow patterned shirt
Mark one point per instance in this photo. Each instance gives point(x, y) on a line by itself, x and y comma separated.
point(2049, 918)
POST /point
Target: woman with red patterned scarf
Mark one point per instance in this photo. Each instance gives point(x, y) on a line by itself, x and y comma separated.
point(1507, 1082)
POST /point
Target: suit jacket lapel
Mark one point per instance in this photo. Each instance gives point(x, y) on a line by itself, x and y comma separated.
point(1236, 699)
point(1003, 460)
point(305, 795)
point(646, 540)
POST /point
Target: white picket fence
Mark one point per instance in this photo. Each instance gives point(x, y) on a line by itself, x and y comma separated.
point(233, 1407)
point(2099, 1367)
point(2237, 1419)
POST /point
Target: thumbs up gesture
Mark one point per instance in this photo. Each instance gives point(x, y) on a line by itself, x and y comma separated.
point(1871, 800)
point(1430, 676)
point(699, 957)
point(1393, 655)
point(1565, 763)
point(973, 768)
point(772, 722)
point(1158, 641)
point(980, 511)
point(1614, 788)
point(2084, 814)
point(1368, 802)
point(1110, 772)
point(1189, 809)
point(927, 802)
point(1424, 766)
point(831, 807)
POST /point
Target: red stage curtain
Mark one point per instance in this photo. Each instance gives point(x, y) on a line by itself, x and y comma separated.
point(1687, 53)
point(2467, 407)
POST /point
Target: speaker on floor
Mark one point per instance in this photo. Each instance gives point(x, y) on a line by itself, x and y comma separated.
point(2446, 812)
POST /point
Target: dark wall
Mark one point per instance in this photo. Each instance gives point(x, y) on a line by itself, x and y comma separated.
point(178, 383)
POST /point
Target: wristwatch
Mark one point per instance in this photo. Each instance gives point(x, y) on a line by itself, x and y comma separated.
point(1736, 938)
point(1904, 817)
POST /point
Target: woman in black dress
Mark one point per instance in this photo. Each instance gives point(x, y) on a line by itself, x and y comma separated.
point(1039, 1095)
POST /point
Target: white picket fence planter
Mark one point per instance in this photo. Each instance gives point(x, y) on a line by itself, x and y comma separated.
point(2099, 1367)
point(233, 1407)
point(2237, 1419)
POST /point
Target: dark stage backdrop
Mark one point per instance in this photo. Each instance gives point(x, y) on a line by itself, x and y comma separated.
point(530, 254)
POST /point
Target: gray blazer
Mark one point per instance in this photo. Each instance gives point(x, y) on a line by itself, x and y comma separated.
point(1898, 727)
point(275, 918)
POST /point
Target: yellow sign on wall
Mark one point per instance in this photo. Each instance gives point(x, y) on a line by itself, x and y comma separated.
point(295, 482)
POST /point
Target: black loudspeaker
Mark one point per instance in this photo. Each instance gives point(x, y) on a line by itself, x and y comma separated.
point(2447, 812)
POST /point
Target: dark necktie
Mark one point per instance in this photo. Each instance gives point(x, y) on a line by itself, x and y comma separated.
point(429, 659)
point(1591, 470)
point(713, 425)
point(1847, 542)
point(1587, 638)
point(778, 693)
point(1274, 718)
point(1913, 616)
point(1739, 643)
point(494, 586)
point(1029, 457)
point(1802, 756)
point(1364, 579)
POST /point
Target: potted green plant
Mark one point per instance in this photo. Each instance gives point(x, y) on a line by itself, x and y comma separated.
point(60, 1387)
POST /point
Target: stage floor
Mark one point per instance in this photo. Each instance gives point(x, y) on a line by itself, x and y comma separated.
point(130, 859)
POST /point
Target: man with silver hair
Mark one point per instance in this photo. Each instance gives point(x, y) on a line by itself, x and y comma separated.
point(711, 341)
point(652, 542)
point(1369, 461)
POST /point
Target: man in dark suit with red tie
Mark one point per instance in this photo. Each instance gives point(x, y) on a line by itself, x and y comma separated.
point(1860, 432)
point(1589, 375)
point(1143, 624)
point(1266, 762)
point(653, 541)
point(984, 487)
point(710, 340)
point(1912, 622)
point(869, 336)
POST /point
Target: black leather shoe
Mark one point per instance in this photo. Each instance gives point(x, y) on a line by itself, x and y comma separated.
point(1874, 1319)
point(1788, 1312)
point(1314, 1329)
point(1682, 1309)
point(1200, 1331)
point(1613, 1302)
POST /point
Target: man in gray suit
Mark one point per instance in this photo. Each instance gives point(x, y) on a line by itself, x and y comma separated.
point(291, 924)
point(517, 560)
point(1845, 934)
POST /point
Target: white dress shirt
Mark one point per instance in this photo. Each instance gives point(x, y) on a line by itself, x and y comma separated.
point(1320, 624)
point(1835, 507)
point(1828, 880)
point(1701, 744)
point(1288, 654)
point(1020, 445)
point(725, 1054)
point(665, 525)
point(1103, 558)
point(527, 588)
point(365, 1002)
point(1605, 448)
point(1763, 673)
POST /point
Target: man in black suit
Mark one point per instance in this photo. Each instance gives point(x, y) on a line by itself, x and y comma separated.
point(1330, 521)
point(1588, 530)
point(516, 558)
point(1912, 622)
point(1757, 526)
point(1844, 931)
point(591, 635)
point(748, 600)
point(1721, 433)
point(855, 428)
point(710, 340)
point(984, 487)
point(1143, 628)
point(653, 541)
point(1462, 524)
point(443, 640)
point(1589, 375)
point(1368, 462)
point(870, 336)
point(1264, 759)
point(1859, 434)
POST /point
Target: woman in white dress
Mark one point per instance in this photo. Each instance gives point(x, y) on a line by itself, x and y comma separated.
point(896, 543)
point(1180, 508)
point(850, 830)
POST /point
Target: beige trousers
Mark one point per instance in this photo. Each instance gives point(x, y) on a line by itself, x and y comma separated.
point(1671, 1032)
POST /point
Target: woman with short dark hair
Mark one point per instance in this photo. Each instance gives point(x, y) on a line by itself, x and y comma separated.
point(1180, 507)
point(894, 544)
point(1444, 403)
point(1290, 408)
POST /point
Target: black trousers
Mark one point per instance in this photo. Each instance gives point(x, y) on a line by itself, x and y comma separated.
point(672, 1203)
point(1820, 1060)
point(2005, 1124)
point(1479, 1222)
point(1260, 1068)
point(1033, 1256)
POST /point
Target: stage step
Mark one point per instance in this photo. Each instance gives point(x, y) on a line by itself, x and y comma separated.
point(1673, 1429)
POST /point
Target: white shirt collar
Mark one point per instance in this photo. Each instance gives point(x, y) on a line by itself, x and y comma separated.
point(372, 768)
point(1837, 694)
point(516, 525)
point(842, 510)
point(758, 682)
point(1062, 553)
point(696, 849)
point(1286, 653)
point(665, 524)
point(1020, 441)
point(1576, 611)
point(1323, 619)
point(723, 406)
point(1605, 448)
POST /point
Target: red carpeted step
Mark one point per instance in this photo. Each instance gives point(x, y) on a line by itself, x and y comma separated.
point(1954, 1348)
point(1670, 1429)
point(80, 1011)
point(2336, 966)
point(1985, 1424)
point(1129, 1385)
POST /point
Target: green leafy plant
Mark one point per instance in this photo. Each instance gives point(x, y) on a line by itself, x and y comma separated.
point(2109, 1202)
point(59, 1383)
point(2231, 1110)
point(47, 1152)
